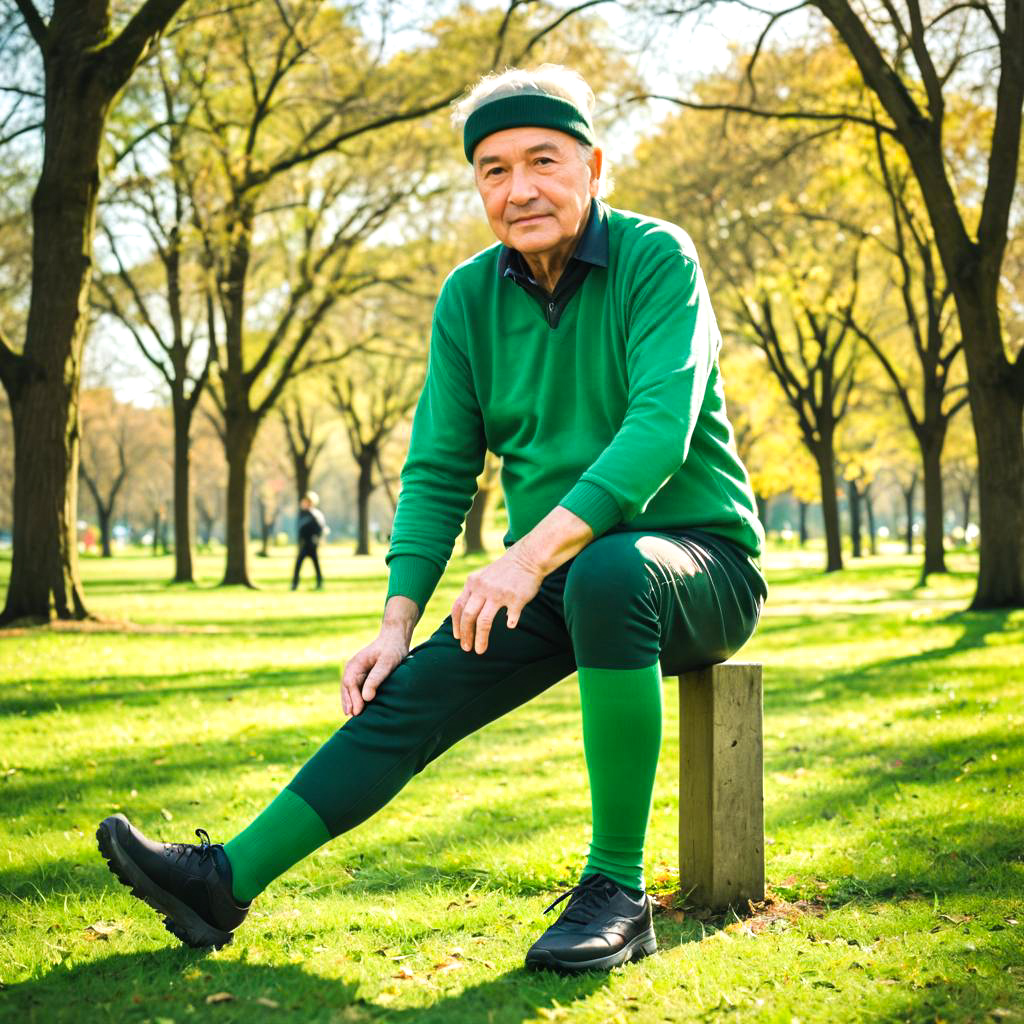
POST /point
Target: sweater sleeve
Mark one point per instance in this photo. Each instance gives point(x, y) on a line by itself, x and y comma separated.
point(671, 345)
point(446, 455)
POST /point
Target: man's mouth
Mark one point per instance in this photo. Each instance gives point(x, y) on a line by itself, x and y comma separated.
point(531, 218)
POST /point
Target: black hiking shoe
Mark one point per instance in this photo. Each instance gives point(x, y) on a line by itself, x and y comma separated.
point(600, 927)
point(189, 884)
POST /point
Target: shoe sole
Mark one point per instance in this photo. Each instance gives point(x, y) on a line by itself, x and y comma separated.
point(179, 919)
point(636, 949)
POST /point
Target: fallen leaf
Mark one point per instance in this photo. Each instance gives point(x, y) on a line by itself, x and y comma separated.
point(445, 966)
point(101, 931)
point(404, 973)
point(167, 814)
point(220, 997)
point(269, 1003)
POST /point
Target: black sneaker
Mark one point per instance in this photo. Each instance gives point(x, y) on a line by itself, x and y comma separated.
point(189, 884)
point(601, 927)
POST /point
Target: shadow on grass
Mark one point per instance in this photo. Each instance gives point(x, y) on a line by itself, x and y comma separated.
point(170, 983)
point(797, 689)
point(146, 691)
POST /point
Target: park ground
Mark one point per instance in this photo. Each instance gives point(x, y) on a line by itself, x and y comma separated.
point(895, 816)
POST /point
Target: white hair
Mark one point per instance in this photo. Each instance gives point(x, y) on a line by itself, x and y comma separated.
point(553, 79)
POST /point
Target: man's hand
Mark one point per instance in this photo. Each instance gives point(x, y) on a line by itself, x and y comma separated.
point(367, 669)
point(511, 582)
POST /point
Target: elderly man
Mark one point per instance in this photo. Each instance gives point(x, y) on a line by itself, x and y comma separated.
point(582, 349)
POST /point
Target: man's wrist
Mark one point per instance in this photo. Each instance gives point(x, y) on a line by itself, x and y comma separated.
point(553, 541)
point(400, 616)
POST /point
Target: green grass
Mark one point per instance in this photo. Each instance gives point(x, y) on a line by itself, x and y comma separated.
point(895, 817)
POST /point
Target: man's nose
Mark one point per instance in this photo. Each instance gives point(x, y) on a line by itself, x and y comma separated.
point(522, 188)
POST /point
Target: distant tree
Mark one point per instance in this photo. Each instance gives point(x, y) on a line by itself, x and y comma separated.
point(487, 483)
point(164, 299)
point(86, 60)
point(305, 443)
point(373, 394)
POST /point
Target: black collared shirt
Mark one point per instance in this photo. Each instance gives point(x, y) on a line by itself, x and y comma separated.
point(591, 251)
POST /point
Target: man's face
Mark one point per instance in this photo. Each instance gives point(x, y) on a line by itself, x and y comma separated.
point(535, 187)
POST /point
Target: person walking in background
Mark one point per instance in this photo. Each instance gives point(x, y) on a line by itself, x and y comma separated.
point(311, 527)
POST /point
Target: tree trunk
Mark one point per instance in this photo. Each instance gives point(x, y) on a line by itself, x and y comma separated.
point(44, 400)
point(853, 500)
point(934, 512)
point(908, 501)
point(303, 472)
point(238, 440)
point(869, 508)
point(762, 510)
point(205, 526)
point(802, 505)
point(997, 417)
point(183, 572)
point(268, 519)
point(364, 489)
point(473, 540)
point(104, 516)
point(154, 547)
point(825, 459)
point(966, 493)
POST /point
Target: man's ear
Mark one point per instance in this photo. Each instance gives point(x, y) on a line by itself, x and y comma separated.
point(595, 165)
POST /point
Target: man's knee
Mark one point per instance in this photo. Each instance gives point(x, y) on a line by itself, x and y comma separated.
point(608, 582)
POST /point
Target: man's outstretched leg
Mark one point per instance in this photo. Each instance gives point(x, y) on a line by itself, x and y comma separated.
point(438, 695)
point(632, 602)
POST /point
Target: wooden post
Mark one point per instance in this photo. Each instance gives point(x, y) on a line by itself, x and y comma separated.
point(721, 785)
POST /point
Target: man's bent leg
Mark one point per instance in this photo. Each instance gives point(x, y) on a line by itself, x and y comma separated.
point(438, 695)
point(633, 602)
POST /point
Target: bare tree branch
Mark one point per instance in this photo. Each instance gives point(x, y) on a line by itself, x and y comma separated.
point(34, 21)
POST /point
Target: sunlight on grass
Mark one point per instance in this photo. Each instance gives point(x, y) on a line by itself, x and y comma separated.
point(894, 815)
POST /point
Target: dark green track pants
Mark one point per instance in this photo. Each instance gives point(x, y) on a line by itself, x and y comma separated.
point(628, 600)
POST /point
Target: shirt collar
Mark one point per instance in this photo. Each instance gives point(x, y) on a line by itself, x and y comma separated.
point(591, 248)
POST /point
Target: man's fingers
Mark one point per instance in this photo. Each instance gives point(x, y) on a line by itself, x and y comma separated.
point(512, 615)
point(377, 675)
point(351, 681)
point(467, 627)
point(460, 603)
point(484, 621)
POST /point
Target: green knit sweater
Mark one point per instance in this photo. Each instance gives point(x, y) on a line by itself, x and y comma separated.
point(617, 413)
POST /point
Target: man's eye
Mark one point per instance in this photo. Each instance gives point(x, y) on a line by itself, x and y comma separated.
point(491, 172)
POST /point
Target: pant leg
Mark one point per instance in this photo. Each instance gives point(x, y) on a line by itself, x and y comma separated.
point(299, 559)
point(314, 556)
point(438, 695)
point(685, 599)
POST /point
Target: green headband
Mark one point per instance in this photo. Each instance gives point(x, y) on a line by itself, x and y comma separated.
point(525, 109)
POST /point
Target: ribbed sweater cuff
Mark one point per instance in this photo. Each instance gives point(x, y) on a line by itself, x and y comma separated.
point(594, 505)
point(412, 577)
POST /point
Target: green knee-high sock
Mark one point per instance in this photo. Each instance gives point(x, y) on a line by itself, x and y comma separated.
point(288, 830)
point(621, 739)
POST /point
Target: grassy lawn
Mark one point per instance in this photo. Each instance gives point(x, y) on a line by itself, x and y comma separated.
point(895, 817)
